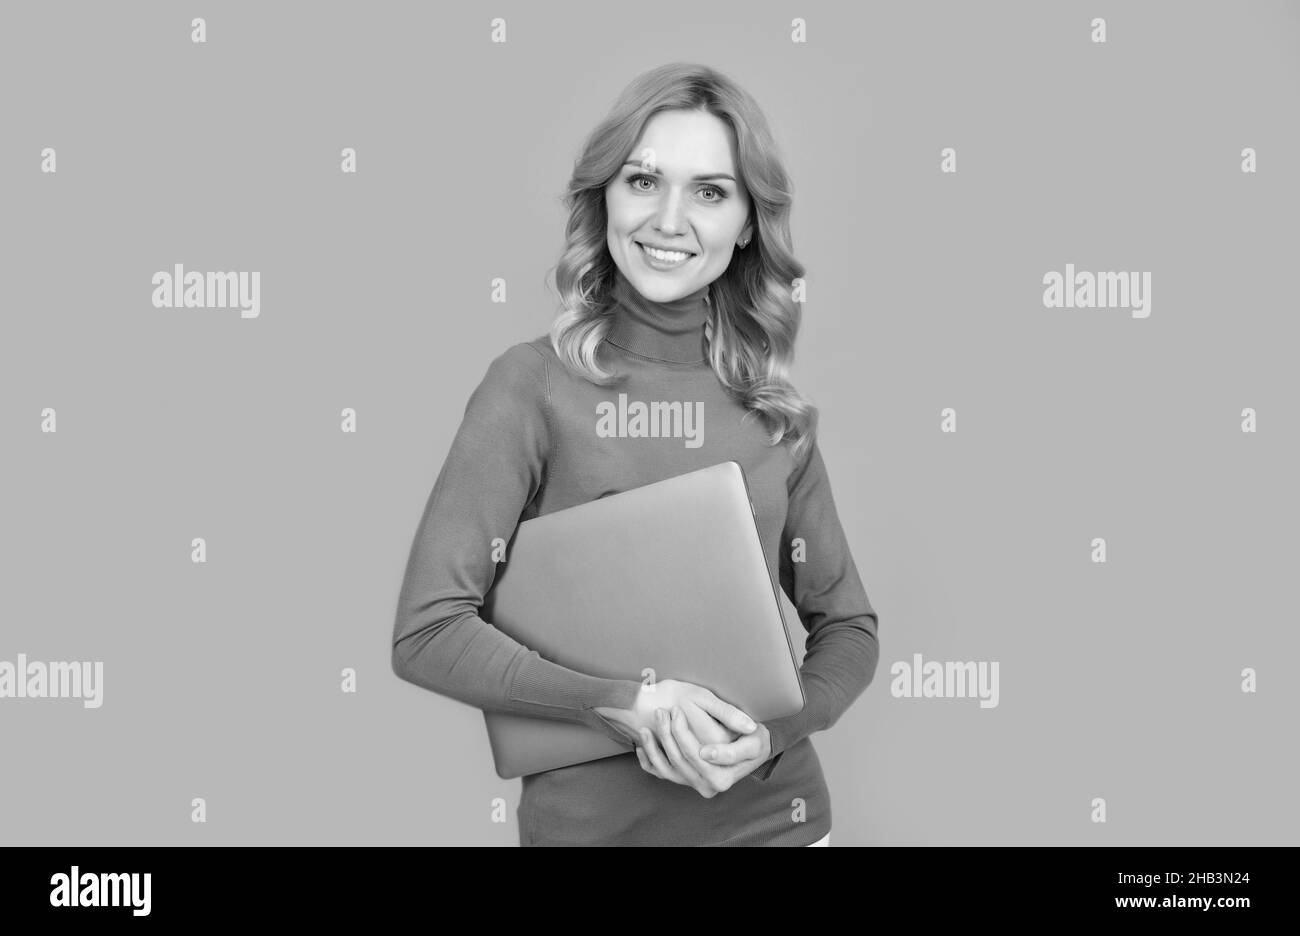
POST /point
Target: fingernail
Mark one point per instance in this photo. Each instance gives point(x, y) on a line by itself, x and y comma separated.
point(748, 725)
point(660, 715)
point(706, 752)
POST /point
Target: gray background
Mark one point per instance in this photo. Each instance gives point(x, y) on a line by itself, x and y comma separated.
point(222, 680)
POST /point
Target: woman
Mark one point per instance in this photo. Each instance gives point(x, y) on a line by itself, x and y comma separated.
point(676, 283)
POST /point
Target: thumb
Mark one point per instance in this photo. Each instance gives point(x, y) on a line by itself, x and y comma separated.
point(742, 749)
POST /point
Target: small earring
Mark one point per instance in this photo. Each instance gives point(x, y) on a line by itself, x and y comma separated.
point(744, 243)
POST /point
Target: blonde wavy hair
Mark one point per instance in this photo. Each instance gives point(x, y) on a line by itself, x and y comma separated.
point(753, 319)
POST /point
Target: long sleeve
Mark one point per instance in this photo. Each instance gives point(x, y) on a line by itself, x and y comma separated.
point(842, 646)
point(495, 467)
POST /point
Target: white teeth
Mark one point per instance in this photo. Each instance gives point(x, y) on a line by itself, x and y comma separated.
point(668, 256)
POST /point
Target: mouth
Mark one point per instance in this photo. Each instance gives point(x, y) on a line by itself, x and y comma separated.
point(664, 259)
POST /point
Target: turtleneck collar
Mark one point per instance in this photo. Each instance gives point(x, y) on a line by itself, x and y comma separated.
point(672, 332)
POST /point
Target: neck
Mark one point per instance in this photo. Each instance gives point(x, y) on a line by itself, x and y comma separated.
point(672, 331)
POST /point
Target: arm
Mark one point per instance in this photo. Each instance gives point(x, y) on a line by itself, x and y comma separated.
point(495, 467)
point(842, 647)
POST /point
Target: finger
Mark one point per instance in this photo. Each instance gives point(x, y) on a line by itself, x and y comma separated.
point(651, 755)
point(728, 714)
point(746, 747)
point(645, 762)
point(657, 760)
point(689, 745)
point(664, 732)
point(711, 780)
point(705, 727)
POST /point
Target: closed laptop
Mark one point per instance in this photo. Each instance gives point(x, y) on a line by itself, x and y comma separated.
point(663, 581)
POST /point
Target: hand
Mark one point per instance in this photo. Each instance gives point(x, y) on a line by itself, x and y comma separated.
point(673, 752)
point(712, 720)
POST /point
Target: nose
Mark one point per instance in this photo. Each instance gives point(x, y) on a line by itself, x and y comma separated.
point(670, 220)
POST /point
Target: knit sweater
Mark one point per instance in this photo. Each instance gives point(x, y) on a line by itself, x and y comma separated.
point(533, 440)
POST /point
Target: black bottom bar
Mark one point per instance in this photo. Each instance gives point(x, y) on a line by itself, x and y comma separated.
point(925, 885)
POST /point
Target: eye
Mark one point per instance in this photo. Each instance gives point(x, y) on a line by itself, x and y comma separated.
point(636, 178)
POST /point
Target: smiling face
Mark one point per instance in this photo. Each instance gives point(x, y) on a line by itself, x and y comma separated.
point(679, 191)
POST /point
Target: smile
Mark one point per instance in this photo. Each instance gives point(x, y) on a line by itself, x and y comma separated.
point(664, 259)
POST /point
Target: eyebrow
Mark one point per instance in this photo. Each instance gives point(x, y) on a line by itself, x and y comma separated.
point(698, 178)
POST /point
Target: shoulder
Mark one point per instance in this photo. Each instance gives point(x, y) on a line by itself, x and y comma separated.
point(806, 465)
point(523, 357)
point(541, 348)
point(532, 356)
point(519, 374)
